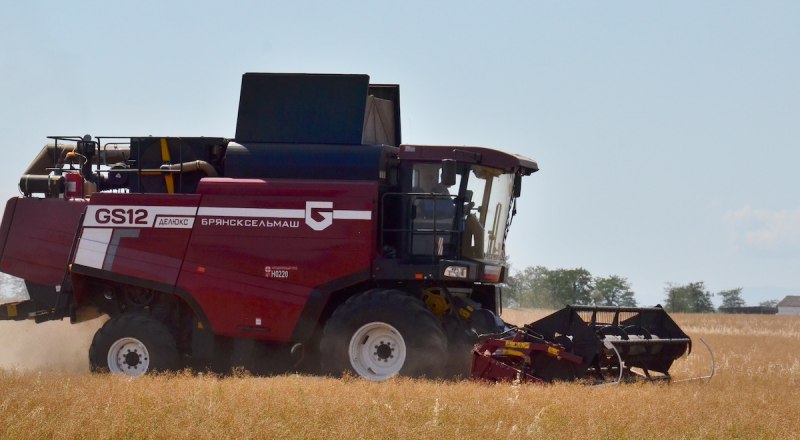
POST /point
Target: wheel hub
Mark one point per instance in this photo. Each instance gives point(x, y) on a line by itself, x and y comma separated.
point(131, 358)
point(383, 351)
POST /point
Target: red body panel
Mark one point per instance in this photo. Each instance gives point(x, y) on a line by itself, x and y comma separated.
point(259, 249)
point(39, 237)
point(143, 236)
point(249, 252)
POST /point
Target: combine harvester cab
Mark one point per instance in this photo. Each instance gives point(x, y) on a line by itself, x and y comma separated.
point(595, 344)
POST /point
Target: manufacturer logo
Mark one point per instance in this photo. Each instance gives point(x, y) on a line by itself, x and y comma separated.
point(327, 216)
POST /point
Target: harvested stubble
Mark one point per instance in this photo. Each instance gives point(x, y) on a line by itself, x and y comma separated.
point(753, 395)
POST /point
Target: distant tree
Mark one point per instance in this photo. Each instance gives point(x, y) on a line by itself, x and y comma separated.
point(731, 298)
point(570, 286)
point(612, 291)
point(769, 303)
point(540, 287)
point(528, 288)
point(510, 292)
point(689, 298)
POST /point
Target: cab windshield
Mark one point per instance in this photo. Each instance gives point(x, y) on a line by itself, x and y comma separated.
point(468, 218)
point(488, 200)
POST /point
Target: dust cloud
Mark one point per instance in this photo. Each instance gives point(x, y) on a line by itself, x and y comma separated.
point(49, 346)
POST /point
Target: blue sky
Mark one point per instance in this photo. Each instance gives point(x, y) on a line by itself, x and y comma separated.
point(666, 132)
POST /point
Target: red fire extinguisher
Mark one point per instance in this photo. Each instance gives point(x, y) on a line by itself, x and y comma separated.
point(73, 182)
point(73, 186)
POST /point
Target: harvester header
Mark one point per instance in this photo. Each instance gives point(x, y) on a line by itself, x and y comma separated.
point(594, 343)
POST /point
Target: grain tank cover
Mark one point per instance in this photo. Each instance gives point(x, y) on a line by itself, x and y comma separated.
point(302, 108)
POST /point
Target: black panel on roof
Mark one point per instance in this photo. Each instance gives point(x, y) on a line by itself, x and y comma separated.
point(302, 108)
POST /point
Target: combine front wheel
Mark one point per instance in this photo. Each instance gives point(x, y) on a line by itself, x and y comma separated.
point(133, 344)
point(383, 333)
point(377, 350)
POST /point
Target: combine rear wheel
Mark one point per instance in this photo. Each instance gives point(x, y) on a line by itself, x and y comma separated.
point(383, 333)
point(133, 344)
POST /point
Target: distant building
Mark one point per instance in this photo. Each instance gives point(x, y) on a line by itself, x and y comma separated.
point(789, 306)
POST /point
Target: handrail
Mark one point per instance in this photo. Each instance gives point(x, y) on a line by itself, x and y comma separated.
point(407, 201)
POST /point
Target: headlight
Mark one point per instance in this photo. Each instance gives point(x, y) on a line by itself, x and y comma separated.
point(455, 272)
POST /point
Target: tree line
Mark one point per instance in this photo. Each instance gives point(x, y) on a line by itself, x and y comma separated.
point(540, 287)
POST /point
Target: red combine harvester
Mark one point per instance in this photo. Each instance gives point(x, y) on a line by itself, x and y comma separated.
point(314, 240)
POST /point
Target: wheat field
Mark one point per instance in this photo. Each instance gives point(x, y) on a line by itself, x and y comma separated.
point(46, 392)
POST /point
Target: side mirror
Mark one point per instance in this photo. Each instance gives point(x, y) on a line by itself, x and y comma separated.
point(517, 185)
point(448, 172)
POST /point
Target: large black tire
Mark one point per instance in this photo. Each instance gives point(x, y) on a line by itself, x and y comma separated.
point(460, 341)
point(462, 337)
point(133, 344)
point(382, 333)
